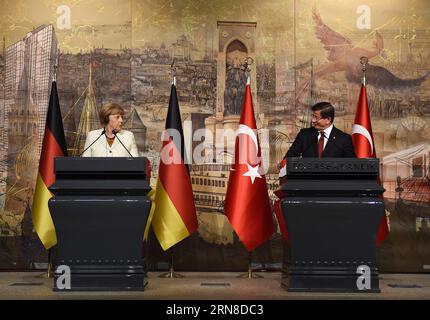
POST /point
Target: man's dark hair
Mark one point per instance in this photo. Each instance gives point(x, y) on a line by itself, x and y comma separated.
point(327, 110)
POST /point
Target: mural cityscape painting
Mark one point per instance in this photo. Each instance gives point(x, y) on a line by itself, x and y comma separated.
point(301, 52)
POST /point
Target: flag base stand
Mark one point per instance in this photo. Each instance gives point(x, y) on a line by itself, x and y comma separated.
point(45, 275)
point(171, 273)
point(48, 274)
point(250, 274)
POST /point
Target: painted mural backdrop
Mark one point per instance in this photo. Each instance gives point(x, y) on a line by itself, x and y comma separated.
point(302, 52)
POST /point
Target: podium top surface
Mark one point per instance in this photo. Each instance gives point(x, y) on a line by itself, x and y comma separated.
point(332, 177)
point(332, 166)
point(100, 165)
point(100, 176)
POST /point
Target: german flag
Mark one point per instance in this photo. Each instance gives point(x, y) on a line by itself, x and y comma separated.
point(174, 217)
point(54, 145)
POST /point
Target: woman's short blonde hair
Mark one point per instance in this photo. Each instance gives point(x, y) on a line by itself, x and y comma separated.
point(109, 109)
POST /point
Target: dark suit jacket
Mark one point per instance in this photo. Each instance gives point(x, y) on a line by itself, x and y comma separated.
point(339, 145)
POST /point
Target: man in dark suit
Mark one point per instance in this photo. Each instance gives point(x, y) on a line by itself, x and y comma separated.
point(323, 139)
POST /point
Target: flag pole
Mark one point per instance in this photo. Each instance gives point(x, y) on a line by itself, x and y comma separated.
point(171, 273)
point(250, 274)
point(49, 272)
point(363, 62)
point(173, 71)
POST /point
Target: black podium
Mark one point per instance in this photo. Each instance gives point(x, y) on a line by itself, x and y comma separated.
point(100, 209)
point(332, 208)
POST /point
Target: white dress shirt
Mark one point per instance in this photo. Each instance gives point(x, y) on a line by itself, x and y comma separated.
point(327, 132)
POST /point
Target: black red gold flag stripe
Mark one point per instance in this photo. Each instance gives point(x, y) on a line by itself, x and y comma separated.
point(54, 145)
point(174, 217)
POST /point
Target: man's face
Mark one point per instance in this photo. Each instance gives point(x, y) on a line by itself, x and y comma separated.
point(318, 122)
point(116, 122)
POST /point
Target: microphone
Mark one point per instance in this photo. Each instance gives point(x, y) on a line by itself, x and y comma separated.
point(115, 134)
point(103, 132)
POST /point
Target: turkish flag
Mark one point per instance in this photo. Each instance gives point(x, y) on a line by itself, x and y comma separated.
point(364, 146)
point(247, 203)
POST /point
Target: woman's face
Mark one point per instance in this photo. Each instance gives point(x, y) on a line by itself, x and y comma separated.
point(115, 122)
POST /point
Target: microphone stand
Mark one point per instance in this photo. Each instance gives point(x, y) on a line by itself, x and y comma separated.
point(115, 134)
point(103, 132)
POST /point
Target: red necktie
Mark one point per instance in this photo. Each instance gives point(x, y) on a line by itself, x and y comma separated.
point(321, 144)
